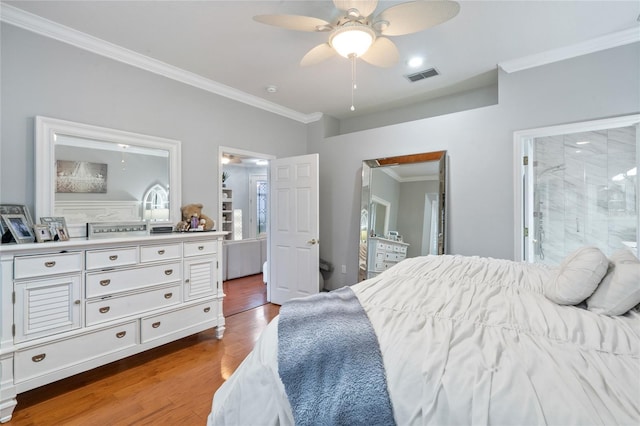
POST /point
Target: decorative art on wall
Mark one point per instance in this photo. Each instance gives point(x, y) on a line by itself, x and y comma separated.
point(81, 177)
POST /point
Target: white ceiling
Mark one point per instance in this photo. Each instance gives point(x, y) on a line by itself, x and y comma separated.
point(219, 41)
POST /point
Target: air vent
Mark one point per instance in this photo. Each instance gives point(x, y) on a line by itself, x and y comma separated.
point(431, 72)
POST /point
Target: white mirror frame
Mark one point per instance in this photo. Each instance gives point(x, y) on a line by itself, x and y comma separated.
point(45, 163)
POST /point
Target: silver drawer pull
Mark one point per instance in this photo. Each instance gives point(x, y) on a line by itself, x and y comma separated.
point(168, 272)
point(200, 247)
point(113, 257)
point(155, 324)
point(50, 264)
point(168, 295)
point(104, 310)
point(121, 334)
point(160, 251)
point(105, 283)
point(207, 309)
point(38, 358)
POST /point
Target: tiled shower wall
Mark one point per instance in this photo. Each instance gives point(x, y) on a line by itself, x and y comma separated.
point(585, 192)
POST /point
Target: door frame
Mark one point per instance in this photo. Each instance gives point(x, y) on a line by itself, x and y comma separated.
point(522, 176)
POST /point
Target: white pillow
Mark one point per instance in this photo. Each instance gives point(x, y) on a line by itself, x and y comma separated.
point(578, 276)
point(619, 290)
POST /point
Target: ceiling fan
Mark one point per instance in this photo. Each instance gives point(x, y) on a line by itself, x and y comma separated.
point(357, 32)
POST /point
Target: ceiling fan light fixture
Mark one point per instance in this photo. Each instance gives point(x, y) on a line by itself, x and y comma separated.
point(352, 39)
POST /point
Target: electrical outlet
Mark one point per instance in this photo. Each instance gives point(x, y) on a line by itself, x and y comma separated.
point(344, 269)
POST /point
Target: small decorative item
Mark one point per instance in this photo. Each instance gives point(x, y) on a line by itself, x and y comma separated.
point(19, 227)
point(194, 220)
point(43, 234)
point(225, 176)
point(57, 227)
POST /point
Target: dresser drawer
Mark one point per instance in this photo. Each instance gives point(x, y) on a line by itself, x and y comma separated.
point(162, 325)
point(98, 259)
point(160, 252)
point(111, 308)
point(197, 248)
point(49, 264)
point(39, 360)
point(108, 282)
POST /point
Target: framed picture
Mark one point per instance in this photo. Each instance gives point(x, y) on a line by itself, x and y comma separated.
point(57, 227)
point(43, 233)
point(19, 227)
point(81, 176)
point(13, 209)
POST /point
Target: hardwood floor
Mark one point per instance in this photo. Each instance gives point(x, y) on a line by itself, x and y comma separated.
point(244, 293)
point(170, 385)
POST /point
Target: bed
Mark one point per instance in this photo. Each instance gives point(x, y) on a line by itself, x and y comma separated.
point(470, 340)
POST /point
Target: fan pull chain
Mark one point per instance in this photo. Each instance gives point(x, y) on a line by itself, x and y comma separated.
point(354, 86)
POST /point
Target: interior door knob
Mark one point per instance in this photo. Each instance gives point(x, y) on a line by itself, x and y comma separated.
point(313, 241)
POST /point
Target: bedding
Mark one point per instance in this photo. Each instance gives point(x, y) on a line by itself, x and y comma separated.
point(469, 340)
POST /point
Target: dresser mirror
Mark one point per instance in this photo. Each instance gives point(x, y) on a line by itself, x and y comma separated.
point(89, 174)
point(403, 210)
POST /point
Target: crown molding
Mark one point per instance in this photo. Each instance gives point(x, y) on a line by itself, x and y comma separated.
point(621, 38)
point(36, 24)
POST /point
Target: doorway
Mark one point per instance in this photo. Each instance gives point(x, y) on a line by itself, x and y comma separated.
point(243, 213)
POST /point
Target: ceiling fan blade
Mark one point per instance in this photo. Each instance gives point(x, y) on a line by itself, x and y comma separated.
point(382, 53)
point(318, 54)
point(414, 16)
point(365, 7)
point(294, 22)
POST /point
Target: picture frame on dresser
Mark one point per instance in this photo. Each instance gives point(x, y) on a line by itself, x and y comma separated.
point(6, 234)
point(19, 227)
point(42, 232)
point(57, 227)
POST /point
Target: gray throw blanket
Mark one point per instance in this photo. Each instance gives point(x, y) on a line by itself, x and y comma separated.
point(330, 362)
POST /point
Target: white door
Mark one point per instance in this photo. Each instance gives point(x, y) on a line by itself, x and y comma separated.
point(293, 235)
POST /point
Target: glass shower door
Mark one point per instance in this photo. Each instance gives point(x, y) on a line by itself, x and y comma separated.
point(583, 190)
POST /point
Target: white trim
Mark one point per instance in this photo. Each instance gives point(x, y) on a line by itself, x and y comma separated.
point(621, 38)
point(30, 22)
point(522, 136)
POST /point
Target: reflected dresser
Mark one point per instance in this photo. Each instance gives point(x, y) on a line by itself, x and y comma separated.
point(383, 254)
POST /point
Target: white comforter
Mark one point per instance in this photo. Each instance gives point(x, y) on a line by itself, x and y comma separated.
point(469, 340)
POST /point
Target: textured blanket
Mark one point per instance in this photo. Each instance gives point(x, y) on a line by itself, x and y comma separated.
point(330, 362)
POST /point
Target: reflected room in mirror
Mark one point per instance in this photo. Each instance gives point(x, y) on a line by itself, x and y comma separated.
point(89, 174)
point(403, 210)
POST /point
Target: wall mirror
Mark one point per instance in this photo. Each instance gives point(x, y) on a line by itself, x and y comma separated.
point(86, 173)
point(403, 210)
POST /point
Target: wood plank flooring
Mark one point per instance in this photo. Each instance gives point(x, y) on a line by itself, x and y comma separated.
point(170, 385)
point(245, 293)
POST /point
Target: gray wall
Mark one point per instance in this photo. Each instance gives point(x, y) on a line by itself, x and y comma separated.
point(411, 214)
point(41, 76)
point(479, 145)
point(387, 188)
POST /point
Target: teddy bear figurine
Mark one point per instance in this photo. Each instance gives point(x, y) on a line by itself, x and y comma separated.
point(193, 218)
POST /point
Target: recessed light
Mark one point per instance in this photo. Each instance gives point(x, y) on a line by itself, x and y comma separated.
point(415, 62)
point(271, 89)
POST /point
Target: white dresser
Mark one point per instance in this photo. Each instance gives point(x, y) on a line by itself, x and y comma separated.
point(383, 254)
point(71, 306)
